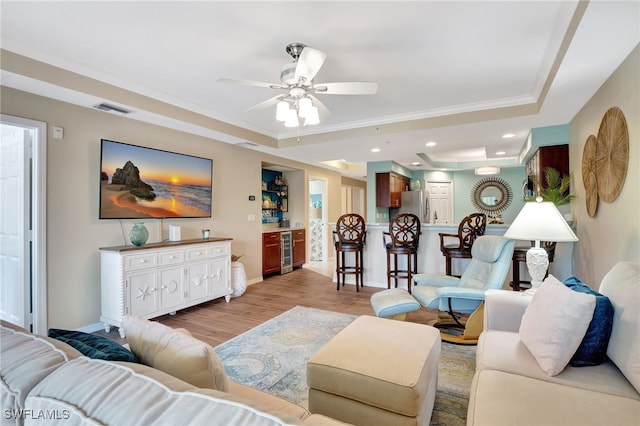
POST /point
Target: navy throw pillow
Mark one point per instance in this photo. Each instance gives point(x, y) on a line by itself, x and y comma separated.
point(593, 348)
point(97, 347)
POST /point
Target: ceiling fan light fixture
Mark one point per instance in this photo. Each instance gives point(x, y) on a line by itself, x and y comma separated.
point(312, 117)
point(292, 119)
point(282, 111)
point(304, 107)
point(297, 78)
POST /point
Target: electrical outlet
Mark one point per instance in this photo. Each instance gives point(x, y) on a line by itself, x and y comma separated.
point(251, 217)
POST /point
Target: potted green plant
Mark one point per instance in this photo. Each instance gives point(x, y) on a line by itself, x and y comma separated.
point(556, 189)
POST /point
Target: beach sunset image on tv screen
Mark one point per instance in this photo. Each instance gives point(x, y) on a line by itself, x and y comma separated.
point(138, 182)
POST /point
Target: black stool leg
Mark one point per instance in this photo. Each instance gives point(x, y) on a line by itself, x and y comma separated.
point(388, 269)
point(357, 271)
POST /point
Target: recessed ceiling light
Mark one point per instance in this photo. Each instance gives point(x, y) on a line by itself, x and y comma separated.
point(415, 163)
point(430, 144)
point(375, 149)
point(500, 152)
point(509, 135)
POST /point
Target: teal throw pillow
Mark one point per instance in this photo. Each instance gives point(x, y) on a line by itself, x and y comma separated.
point(593, 349)
point(93, 346)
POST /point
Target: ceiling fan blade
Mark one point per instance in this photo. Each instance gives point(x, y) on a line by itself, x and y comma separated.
point(309, 63)
point(251, 83)
point(321, 107)
point(265, 104)
point(348, 88)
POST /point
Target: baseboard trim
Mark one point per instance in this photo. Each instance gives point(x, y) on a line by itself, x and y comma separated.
point(92, 328)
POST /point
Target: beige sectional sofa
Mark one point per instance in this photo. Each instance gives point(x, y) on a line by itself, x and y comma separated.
point(45, 381)
point(511, 388)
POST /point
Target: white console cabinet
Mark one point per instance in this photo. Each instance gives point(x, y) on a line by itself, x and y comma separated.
point(161, 278)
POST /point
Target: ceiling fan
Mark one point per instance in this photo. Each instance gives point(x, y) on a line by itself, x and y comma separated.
point(297, 79)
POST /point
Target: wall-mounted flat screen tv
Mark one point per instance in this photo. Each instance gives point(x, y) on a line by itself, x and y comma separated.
point(141, 183)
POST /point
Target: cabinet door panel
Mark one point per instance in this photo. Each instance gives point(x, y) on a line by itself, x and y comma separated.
point(271, 252)
point(389, 187)
point(171, 287)
point(143, 293)
point(299, 247)
point(218, 282)
point(198, 278)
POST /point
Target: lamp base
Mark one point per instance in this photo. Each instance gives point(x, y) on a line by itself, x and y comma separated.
point(537, 265)
point(535, 285)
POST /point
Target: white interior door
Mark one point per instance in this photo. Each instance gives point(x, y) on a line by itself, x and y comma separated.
point(441, 201)
point(23, 222)
point(15, 301)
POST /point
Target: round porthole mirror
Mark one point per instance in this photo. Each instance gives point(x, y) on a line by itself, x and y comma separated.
point(491, 195)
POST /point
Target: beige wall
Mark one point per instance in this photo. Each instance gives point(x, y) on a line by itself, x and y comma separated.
point(74, 232)
point(613, 234)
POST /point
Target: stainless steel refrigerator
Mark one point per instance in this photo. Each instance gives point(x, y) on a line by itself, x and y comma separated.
point(416, 202)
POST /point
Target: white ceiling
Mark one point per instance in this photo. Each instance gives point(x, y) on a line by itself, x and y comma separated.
point(460, 73)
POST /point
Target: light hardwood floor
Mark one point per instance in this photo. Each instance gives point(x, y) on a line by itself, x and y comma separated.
point(217, 321)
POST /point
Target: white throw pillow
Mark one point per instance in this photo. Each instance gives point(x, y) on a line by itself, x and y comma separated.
point(555, 323)
point(175, 352)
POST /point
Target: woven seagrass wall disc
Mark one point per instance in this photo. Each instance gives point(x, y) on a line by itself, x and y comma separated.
point(612, 154)
point(589, 175)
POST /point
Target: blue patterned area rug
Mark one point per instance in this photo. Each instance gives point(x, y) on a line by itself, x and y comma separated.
point(273, 358)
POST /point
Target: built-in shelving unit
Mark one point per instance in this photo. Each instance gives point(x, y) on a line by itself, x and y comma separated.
point(275, 196)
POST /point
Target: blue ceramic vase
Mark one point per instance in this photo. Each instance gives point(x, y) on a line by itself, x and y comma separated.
point(138, 234)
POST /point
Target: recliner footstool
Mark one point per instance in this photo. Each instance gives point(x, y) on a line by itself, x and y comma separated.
point(394, 303)
point(376, 372)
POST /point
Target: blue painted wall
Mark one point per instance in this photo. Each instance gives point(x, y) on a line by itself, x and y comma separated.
point(463, 183)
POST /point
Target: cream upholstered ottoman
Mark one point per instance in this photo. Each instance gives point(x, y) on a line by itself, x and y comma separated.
point(376, 371)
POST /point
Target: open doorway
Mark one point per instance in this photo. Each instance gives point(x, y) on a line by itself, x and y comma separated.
point(22, 232)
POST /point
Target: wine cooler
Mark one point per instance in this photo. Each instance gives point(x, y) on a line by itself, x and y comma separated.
point(287, 259)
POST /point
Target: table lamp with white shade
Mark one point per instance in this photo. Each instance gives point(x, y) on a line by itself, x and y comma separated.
point(539, 221)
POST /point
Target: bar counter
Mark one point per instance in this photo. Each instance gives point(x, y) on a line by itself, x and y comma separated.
point(431, 260)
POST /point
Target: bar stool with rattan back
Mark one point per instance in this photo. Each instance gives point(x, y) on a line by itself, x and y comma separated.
point(470, 228)
point(349, 237)
point(520, 256)
point(403, 238)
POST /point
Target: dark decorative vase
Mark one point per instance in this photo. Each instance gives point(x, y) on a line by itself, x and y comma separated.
point(138, 234)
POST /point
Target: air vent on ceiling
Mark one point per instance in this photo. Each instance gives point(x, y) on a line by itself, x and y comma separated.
point(111, 108)
point(246, 144)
